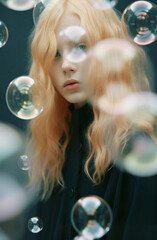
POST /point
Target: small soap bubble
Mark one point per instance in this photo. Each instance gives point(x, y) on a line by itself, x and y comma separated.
point(24, 99)
point(105, 4)
point(91, 217)
point(140, 22)
point(3, 34)
point(76, 42)
point(19, 5)
point(35, 225)
point(24, 162)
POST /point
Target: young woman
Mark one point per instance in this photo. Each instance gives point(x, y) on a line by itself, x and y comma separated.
point(70, 158)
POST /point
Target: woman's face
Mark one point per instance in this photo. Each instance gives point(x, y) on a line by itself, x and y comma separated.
point(66, 75)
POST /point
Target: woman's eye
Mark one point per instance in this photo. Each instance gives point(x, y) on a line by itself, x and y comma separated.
point(57, 54)
point(82, 46)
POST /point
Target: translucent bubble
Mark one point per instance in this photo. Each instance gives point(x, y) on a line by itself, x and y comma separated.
point(76, 43)
point(105, 4)
point(35, 225)
point(40, 6)
point(19, 5)
point(3, 34)
point(138, 108)
point(13, 198)
point(22, 98)
point(111, 101)
point(139, 156)
point(140, 22)
point(37, 10)
point(110, 58)
point(114, 53)
point(91, 217)
point(24, 162)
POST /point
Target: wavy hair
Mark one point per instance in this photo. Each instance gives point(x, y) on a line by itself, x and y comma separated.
point(49, 132)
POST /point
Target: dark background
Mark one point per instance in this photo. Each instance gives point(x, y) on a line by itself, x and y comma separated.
point(14, 56)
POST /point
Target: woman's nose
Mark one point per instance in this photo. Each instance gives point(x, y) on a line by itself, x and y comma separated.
point(68, 67)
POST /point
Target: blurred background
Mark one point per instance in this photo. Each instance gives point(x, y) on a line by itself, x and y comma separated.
point(14, 62)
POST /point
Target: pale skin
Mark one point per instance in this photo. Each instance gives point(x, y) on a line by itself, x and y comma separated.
point(62, 70)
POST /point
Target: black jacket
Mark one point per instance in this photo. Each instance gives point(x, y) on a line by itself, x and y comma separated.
point(133, 200)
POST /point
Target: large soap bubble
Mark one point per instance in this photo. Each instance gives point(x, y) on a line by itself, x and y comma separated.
point(140, 22)
point(139, 156)
point(109, 58)
point(91, 217)
point(23, 98)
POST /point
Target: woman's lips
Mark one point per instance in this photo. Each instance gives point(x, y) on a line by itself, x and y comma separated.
point(71, 84)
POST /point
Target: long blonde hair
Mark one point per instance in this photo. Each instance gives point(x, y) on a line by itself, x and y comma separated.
point(49, 132)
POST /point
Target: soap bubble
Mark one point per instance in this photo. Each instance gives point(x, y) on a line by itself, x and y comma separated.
point(140, 22)
point(18, 5)
point(91, 217)
point(105, 4)
point(139, 156)
point(40, 6)
point(3, 34)
point(113, 53)
point(24, 162)
point(109, 58)
point(22, 98)
point(136, 106)
point(35, 225)
point(76, 42)
point(37, 10)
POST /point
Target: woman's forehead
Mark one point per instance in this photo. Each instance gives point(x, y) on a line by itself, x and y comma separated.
point(67, 19)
